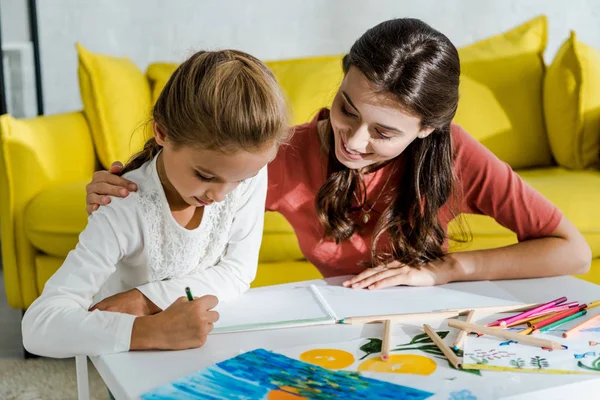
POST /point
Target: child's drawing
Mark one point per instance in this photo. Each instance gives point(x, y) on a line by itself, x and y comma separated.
point(594, 367)
point(539, 362)
point(584, 355)
point(261, 374)
point(517, 363)
point(484, 354)
point(400, 364)
point(462, 395)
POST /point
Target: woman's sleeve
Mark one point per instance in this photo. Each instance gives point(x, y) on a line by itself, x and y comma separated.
point(490, 187)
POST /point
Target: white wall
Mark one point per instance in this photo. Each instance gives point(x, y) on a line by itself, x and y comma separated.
point(15, 21)
point(161, 30)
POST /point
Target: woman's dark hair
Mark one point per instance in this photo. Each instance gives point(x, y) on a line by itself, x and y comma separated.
point(420, 68)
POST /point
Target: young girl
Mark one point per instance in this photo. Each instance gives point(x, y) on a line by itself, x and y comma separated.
point(376, 180)
point(195, 221)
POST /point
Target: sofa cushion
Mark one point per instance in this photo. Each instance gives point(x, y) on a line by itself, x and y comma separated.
point(116, 103)
point(575, 193)
point(309, 84)
point(501, 94)
point(55, 217)
point(57, 232)
point(572, 104)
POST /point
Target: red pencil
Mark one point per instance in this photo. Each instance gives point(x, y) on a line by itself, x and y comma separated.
point(558, 316)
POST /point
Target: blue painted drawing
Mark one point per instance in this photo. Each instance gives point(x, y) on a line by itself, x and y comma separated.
point(507, 343)
point(462, 395)
point(261, 374)
point(584, 355)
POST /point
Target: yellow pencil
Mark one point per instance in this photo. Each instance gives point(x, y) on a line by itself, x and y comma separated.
point(526, 331)
point(504, 334)
point(593, 304)
point(453, 358)
point(461, 335)
point(385, 343)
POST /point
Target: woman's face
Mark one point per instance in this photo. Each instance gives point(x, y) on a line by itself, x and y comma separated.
point(370, 127)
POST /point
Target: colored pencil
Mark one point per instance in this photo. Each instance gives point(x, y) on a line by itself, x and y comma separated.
point(505, 321)
point(188, 292)
point(557, 317)
point(553, 325)
point(504, 334)
point(593, 304)
point(575, 329)
point(458, 342)
point(525, 331)
point(453, 358)
point(385, 343)
point(538, 314)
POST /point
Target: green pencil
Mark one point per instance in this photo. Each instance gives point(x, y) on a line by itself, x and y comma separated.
point(560, 322)
point(189, 294)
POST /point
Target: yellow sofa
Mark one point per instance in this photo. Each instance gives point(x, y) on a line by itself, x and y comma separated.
point(46, 162)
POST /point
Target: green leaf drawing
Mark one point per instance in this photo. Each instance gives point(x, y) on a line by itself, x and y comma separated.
point(539, 362)
point(594, 367)
point(481, 361)
point(470, 371)
point(517, 363)
point(371, 347)
point(420, 342)
point(423, 338)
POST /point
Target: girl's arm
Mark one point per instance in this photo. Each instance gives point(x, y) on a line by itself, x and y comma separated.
point(58, 323)
point(232, 276)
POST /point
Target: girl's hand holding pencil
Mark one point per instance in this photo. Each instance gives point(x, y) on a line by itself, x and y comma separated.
point(185, 324)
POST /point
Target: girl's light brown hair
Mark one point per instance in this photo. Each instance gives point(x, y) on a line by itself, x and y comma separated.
point(225, 101)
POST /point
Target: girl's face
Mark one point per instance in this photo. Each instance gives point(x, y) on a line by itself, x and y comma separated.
point(370, 127)
point(201, 177)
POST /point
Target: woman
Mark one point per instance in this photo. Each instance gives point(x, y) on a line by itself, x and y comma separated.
point(374, 181)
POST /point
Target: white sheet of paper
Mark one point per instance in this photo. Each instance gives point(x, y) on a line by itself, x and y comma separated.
point(347, 302)
point(292, 306)
point(264, 308)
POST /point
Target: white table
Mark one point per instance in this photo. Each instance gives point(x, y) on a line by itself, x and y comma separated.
point(128, 375)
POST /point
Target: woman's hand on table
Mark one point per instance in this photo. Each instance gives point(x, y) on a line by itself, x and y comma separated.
point(437, 272)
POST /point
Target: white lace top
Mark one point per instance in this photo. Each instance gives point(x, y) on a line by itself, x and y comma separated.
point(136, 243)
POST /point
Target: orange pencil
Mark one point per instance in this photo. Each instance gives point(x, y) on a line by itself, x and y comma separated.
point(582, 325)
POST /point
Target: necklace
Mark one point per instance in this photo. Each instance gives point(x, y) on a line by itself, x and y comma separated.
point(367, 213)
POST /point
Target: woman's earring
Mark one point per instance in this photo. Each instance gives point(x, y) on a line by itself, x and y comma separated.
point(422, 136)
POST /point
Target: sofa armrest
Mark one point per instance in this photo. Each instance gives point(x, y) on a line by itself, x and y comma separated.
point(35, 154)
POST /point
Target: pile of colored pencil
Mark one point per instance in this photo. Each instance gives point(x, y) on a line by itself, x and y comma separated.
point(548, 316)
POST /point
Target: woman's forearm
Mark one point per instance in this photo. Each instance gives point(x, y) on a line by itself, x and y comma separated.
point(549, 256)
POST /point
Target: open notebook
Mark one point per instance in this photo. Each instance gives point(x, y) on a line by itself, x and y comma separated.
point(319, 303)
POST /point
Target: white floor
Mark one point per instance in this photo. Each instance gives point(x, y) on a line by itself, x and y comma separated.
point(10, 327)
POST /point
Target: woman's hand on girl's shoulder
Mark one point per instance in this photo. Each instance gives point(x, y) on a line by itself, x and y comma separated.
point(104, 184)
point(437, 272)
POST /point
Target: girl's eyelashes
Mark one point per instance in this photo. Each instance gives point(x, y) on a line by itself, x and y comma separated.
point(346, 112)
point(202, 177)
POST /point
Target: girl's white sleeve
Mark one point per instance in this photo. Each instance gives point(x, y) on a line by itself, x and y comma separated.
point(58, 323)
point(232, 275)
